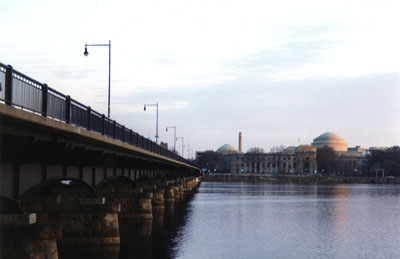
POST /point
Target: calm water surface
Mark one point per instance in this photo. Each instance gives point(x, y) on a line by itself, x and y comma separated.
point(263, 220)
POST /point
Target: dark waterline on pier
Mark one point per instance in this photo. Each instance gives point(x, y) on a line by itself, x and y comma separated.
point(140, 239)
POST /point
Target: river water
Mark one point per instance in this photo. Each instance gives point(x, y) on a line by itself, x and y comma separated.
point(264, 220)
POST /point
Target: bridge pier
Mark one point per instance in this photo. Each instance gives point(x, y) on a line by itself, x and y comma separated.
point(55, 151)
point(88, 224)
point(134, 202)
point(22, 237)
point(169, 194)
point(92, 221)
point(84, 219)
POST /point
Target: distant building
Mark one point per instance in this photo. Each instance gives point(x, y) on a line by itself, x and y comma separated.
point(227, 149)
point(351, 160)
point(331, 140)
point(300, 160)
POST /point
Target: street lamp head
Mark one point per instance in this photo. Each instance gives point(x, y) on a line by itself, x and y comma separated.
point(86, 53)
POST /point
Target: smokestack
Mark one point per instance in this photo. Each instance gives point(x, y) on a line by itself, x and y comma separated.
point(240, 141)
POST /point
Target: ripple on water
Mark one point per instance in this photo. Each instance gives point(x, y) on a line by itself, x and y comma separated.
point(263, 220)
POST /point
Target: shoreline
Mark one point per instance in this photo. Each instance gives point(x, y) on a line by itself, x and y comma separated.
point(298, 179)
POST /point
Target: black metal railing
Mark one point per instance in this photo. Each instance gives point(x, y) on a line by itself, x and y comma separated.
point(19, 90)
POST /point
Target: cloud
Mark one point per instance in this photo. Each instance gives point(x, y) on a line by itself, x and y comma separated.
point(274, 71)
point(70, 73)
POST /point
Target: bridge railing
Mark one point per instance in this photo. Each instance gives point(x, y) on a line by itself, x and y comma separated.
point(19, 90)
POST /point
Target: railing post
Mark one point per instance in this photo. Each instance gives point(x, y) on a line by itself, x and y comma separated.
point(9, 85)
point(45, 90)
point(103, 119)
point(89, 113)
point(68, 109)
point(123, 133)
point(130, 137)
point(114, 129)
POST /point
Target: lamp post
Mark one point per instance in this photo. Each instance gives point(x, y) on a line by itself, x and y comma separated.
point(156, 105)
point(174, 127)
point(86, 53)
point(188, 151)
point(183, 143)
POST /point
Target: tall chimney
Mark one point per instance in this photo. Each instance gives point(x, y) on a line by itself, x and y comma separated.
point(240, 141)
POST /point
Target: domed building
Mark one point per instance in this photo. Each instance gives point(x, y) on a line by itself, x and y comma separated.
point(350, 161)
point(332, 140)
point(305, 148)
point(227, 149)
point(293, 160)
point(289, 150)
point(300, 160)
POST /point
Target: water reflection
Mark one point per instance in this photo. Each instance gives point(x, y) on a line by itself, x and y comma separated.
point(340, 214)
point(136, 238)
point(140, 238)
point(264, 220)
point(85, 252)
point(155, 238)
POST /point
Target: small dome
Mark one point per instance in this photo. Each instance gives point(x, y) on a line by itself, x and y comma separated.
point(331, 140)
point(226, 149)
point(305, 148)
point(289, 150)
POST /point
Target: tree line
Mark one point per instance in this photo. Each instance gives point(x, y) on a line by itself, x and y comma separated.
point(328, 162)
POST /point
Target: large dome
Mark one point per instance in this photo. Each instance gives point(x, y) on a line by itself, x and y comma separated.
point(226, 149)
point(331, 140)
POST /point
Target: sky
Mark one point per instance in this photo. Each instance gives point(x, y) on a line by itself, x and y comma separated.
point(281, 72)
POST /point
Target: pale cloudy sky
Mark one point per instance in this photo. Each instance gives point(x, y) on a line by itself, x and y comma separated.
point(278, 71)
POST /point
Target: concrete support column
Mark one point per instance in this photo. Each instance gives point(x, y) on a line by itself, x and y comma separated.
point(177, 195)
point(158, 199)
point(22, 237)
point(15, 182)
point(25, 240)
point(86, 221)
point(169, 194)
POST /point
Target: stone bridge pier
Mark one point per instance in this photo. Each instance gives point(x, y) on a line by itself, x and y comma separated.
point(85, 218)
point(73, 173)
point(66, 212)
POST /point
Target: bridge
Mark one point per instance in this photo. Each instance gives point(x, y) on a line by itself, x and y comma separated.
point(59, 157)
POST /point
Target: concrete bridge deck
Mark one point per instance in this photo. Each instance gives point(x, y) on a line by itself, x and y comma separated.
point(45, 134)
point(62, 163)
point(35, 149)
